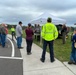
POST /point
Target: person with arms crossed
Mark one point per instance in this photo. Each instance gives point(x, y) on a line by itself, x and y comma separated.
point(19, 35)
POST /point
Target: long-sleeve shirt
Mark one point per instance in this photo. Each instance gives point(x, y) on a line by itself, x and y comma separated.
point(29, 34)
point(18, 31)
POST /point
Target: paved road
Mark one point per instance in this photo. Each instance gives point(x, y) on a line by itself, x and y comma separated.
point(11, 62)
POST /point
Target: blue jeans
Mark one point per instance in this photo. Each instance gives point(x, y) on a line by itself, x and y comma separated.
point(50, 43)
point(73, 53)
point(19, 41)
point(3, 40)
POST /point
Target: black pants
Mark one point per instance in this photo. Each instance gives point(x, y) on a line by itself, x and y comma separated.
point(13, 35)
point(50, 43)
point(63, 37)
point(38, 38)
point(29, 45)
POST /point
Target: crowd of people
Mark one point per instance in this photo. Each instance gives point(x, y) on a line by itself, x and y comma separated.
point(48, 32)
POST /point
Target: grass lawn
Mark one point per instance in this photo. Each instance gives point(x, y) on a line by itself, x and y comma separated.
point(61, 51)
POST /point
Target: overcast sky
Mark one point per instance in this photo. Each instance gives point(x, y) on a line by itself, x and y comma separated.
point(12, 11)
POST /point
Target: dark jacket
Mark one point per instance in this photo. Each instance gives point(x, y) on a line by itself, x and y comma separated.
point(64, 30)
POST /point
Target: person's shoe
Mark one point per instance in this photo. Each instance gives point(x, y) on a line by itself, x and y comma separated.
point(71, 62)
point(29, 53)
point(20, 47)
point(3, 46)
point(74, 63)
point(0, 44)
point(42, 60)
point(52, 60)
point(12, 40)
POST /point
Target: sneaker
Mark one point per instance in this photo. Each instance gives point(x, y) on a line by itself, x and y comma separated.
point(71, 62)
point(53, 60)
point(12, 40)
point(29, 53)
point(74, 63)
point(3, 46)
point(20, 47)
point(42, 60)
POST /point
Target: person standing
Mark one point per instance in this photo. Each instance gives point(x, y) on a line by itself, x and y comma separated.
point(49, 33)
point(19, 35)
point(29, 38)
point(63, 32)
point(3, 35)
point(73, 52)
point(13, 32)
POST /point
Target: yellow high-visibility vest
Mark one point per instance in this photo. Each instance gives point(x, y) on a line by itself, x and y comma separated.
point(49, 32)
point(12, 29)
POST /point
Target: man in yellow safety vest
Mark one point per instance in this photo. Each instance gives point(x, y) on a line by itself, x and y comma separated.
point(49, 33)
point(13, 32)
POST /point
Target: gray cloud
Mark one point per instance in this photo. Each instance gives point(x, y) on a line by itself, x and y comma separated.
point(14, 19)
point(55, 5)
point(12, 11)
point(70, 19)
